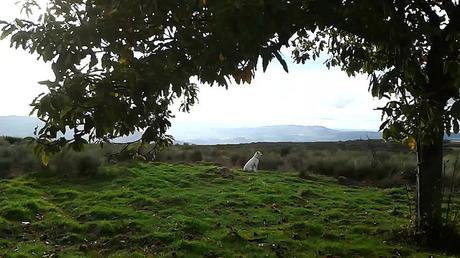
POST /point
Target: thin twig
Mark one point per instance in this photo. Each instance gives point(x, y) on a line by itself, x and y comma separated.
point(449, 200)
point(419, 163)
point(443, 187)
point(454, 219)
point(409, 202)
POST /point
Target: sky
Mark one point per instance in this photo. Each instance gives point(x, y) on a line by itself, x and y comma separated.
point(309, 94)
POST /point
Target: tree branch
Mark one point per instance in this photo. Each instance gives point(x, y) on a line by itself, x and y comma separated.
point(447, 5)
point(454, 18)
point(433, 17)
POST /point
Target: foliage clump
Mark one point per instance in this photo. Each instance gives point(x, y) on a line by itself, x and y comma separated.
point(16, 158)
point(85, 163)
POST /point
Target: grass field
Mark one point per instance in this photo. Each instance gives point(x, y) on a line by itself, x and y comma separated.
point(195, 211)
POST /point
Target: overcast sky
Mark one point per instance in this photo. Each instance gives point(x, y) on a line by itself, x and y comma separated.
point(308, 95)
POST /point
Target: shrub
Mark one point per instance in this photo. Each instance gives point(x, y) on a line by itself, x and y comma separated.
point(181, 156)
point(284, 151)
point(3, 142)
point(235, 159)
point(71, 163)
point(296, 163)
point(17, 159)
point(6, 151)
point(88, 164)
point(305, 174)
point(5, 166)
point(25, 160)
point(12, 140)
point(392, 181)
point(196, 156)
point(270, 162)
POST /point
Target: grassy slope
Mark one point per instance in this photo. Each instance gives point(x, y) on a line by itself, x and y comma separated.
point(183, 210)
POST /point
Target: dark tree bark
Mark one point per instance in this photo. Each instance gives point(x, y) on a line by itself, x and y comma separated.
point(429, 186)
point(430, 145)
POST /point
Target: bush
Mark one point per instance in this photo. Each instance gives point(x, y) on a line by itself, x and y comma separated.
point(3, 142)
point(12, 140)
point(88, 164)
point(392, 181)
point(270, 162)
point(296, 163)
point(196, 156)
point(16, 159)
point(85, 163)
point(305, 174)
point(284, 151)
point(235, 159)
point(5, 166)
point(181, 156)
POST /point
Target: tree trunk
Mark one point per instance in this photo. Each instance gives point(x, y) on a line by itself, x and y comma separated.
point(429, 186)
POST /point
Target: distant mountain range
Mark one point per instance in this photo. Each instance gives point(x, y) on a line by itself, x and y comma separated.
point(276, 133)
point(21, 126)
point(18, 126)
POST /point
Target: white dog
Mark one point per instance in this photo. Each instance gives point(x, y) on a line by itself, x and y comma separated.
point(252, 164)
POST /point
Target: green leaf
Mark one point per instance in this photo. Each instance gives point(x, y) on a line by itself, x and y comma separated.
point(281, 60)
point(149, 135)
point(134, 146)
point(65, 110)
point(383, 125)
point(455, 125)
point(44, 157)
point(93, 61)
point(78, 144)
point(7, 32)
point(455, 109)
point(29, 139)
point(266, 58)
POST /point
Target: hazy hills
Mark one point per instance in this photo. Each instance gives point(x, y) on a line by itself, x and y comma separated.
point(277, 133)
point(20, 126)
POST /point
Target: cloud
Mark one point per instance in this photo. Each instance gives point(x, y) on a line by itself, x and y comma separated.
point(343, 101)
point(20, 72)
point(305, 96)
point(310, 94)
point(11, 9)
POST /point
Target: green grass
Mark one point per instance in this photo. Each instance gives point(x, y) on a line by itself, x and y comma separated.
point(192, 211)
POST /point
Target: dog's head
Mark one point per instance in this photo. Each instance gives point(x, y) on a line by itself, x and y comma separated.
point(258, 154)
